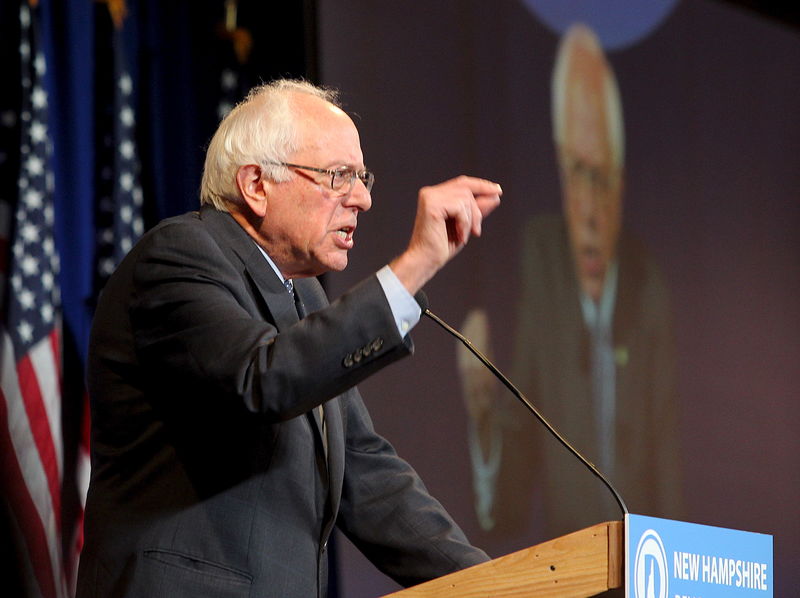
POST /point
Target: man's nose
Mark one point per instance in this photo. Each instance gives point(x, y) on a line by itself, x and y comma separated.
point(359, 197)
point(588, 205)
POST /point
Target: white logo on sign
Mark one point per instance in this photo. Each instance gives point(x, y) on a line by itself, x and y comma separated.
point(650, 567)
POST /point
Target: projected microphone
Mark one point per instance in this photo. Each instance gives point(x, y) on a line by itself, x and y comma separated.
point(422, 300)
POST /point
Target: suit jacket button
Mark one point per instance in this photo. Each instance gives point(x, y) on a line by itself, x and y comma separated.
point(377, 344)
point(348, 361)
point(357, 355)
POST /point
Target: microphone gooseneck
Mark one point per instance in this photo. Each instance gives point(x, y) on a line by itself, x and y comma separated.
point(422, 300)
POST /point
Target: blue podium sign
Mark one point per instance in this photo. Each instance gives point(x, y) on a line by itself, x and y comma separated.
point(675, 559)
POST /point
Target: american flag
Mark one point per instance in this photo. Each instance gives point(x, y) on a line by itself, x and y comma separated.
point(118, 214)
point(30, 342)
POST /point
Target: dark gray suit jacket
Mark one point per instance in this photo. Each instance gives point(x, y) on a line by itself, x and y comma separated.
point(209, 476)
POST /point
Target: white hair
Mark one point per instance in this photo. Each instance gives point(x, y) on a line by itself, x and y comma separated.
point(262, 129)
point(579, 35)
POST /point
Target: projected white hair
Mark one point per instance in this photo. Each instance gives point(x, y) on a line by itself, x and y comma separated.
point(259, 130)
point(580, 35)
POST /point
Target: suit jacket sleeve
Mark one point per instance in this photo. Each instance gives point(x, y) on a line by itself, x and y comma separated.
point(201, 315)
point(387, 512)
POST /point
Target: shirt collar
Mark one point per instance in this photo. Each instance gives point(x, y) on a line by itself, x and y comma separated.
point(599, 315)
point(287, 282)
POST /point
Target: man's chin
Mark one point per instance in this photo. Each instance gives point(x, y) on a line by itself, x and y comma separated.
point(336, 264)
point(592, 286)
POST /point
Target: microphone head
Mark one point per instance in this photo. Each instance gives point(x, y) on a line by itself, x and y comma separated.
point(422, 300)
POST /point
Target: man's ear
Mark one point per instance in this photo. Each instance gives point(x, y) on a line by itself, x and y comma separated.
point(253, 188)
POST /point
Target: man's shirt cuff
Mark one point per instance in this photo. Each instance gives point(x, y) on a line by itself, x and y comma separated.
point(405, 309)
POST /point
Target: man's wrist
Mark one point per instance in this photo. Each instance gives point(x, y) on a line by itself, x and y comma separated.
point(411, 272)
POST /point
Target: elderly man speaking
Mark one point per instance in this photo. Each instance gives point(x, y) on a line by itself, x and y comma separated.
point(228, 436)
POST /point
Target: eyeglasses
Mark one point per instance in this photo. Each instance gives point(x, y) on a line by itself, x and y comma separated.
point(598, 178)
point(342, 179)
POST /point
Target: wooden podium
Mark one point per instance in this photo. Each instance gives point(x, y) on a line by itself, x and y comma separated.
point(580, 564)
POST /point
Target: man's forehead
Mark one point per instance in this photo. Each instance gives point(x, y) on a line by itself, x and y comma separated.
point(314, 107)
point(585, 110)
point(326, 129)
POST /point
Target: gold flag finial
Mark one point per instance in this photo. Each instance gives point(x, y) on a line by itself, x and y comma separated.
point(240, 37)
point(117, 9)
point(231, 13)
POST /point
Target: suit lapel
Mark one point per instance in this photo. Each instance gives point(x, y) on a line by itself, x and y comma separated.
point(279, 304)
point(278, 300)
point(267, 286)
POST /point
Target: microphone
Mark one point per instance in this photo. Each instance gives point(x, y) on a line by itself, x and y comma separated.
point(422, 299)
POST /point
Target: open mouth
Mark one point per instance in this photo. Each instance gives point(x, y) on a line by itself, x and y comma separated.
point(345, 236)
point(591, 262)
